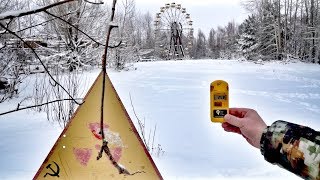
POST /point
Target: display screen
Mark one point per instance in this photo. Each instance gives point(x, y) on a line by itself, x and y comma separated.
point(220, 97)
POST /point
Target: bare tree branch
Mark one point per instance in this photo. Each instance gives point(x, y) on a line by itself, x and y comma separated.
point(33, 106)
point(117, 45)
point(14, 14)
point(7, 25)
point(100, 2)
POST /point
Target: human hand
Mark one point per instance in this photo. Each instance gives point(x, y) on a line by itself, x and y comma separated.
point(246, 122)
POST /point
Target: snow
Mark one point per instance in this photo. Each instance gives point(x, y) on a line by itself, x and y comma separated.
point(17, 13)
point(174, 96)
point(13, 13)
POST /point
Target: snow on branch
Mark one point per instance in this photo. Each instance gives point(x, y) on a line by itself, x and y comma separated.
point(21, 13)
point(98, 2)
point(2, 46)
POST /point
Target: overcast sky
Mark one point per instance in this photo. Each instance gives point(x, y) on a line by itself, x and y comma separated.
point(206, 14)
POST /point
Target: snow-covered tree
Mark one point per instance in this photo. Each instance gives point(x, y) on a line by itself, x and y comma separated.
point(230, 51)
point(200, 47)
point(287, 28)
point(248, 41)
point(73, 32)
point(267, 36)
point(212, 44)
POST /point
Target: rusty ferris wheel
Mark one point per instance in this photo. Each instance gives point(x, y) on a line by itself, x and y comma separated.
point(173, 32)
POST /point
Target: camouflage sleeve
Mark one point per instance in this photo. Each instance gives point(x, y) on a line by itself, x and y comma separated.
point(293, 147)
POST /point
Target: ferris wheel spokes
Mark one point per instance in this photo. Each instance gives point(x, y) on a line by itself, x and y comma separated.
point(174, 24)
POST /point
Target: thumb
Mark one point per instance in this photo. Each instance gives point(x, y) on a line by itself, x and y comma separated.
point(233, 120)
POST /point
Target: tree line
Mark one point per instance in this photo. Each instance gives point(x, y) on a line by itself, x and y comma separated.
point(276, 30)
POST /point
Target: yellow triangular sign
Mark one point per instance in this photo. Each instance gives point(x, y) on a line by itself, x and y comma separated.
point(74, 155)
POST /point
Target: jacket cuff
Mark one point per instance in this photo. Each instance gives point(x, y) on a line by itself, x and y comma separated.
point(262, 140)
point(271, 141)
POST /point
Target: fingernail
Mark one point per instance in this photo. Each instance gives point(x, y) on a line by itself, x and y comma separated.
point(227, 117)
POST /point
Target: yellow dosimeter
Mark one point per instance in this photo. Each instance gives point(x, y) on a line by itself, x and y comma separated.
point(219, 100)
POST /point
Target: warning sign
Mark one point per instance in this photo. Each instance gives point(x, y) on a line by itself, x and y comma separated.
point(74, 155)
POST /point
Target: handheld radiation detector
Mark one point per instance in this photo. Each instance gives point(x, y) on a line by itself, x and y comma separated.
point(219, 100)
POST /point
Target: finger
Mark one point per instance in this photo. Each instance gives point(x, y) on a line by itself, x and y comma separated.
point(239, 112)
point(229, 128)
point(233, 120)
point(225, 124)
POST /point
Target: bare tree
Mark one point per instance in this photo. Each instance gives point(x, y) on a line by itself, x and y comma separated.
point(200, 49)
point(81, 48)
point(127, 51)
point(148, 31)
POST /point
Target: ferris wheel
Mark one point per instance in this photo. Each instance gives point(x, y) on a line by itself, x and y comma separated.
point(173, 32)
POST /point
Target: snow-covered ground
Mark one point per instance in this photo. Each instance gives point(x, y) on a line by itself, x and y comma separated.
point(174, 96)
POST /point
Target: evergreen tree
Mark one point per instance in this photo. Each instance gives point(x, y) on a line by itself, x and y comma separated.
point(248, 41)
point(267, 39)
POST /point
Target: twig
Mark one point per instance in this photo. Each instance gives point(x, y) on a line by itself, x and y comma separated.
point(105, 147)
point(139, 122)
point(37, 56)
point(104, 70)
point(33, 106)
point(154, 134)
point(149, 137)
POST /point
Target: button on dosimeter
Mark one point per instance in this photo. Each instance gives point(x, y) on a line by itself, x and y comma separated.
point(219, 100)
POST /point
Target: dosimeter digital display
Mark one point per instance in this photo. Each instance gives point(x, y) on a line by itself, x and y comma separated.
point(219, 100)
